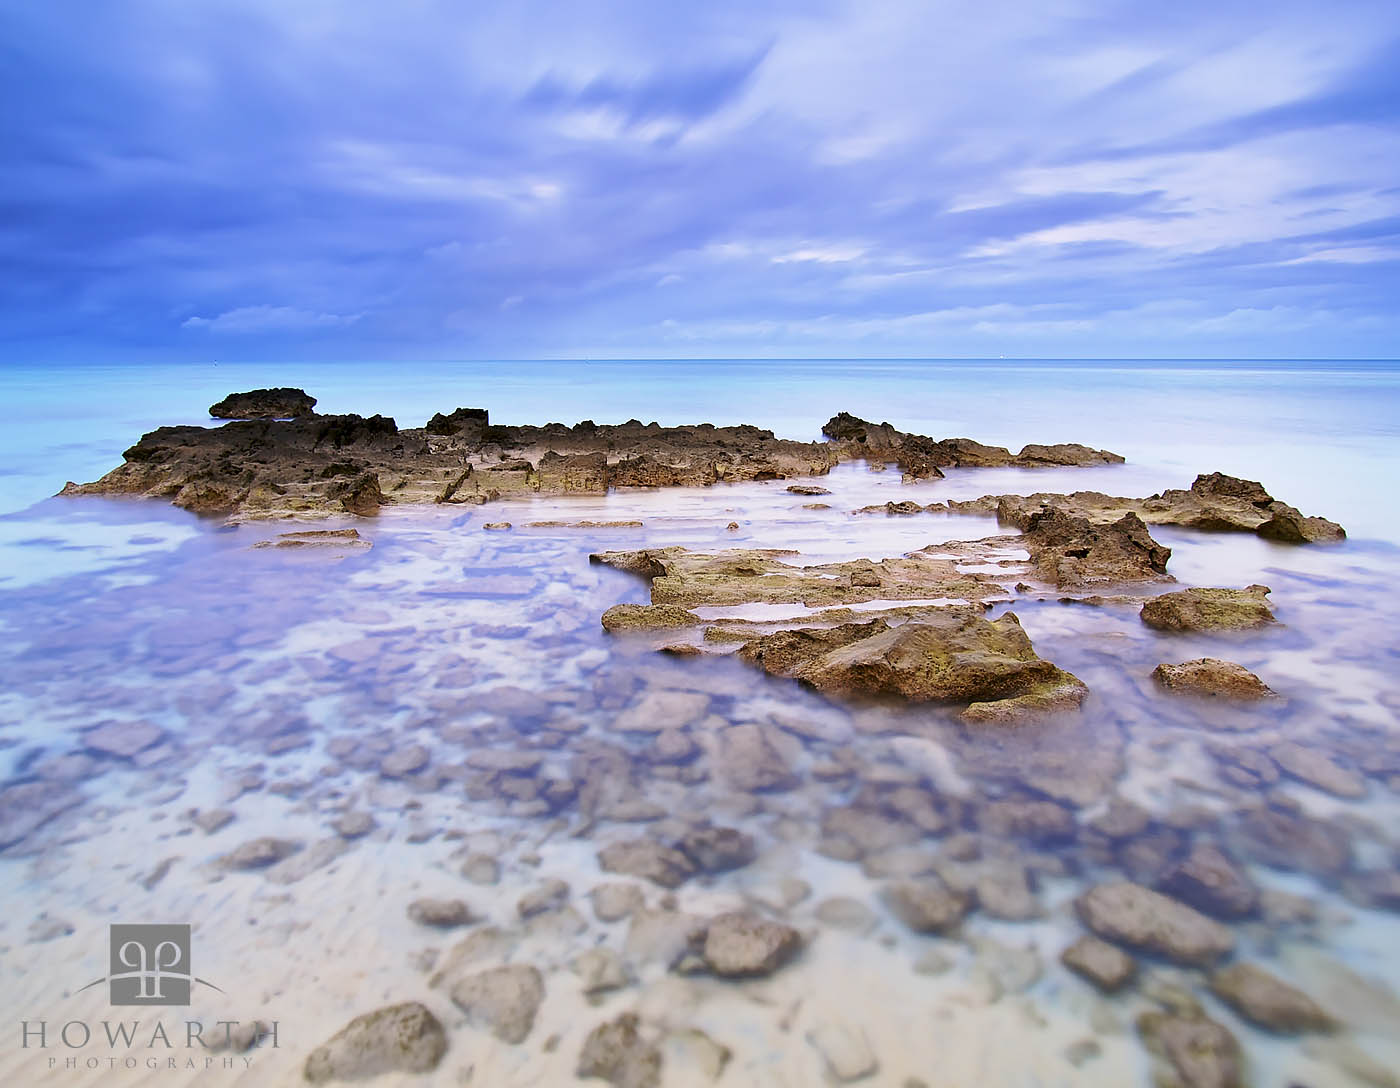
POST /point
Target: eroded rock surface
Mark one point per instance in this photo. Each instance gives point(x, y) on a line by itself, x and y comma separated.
point(404, 1038)
point(1213, 678)
point(280, 403)
point(1138, 917)
point(1268, 1001)
point(1201, 609)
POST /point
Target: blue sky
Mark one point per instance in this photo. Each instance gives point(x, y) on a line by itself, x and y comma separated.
point(282, 179)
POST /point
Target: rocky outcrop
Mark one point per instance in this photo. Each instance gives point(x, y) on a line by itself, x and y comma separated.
point(1210, 610)
point(1212, 678)
point(1215, 502)
point(281, 403)
point(1072, 553)
point(919, 456)
point(405, 1038)
point(1268, 1001)
point(950, 656)
point(1131, 915)
point(644, 617)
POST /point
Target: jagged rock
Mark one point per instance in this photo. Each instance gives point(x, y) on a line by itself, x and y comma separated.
point(1106, 966)
point(743, 945)
point(1211, 881)
point(649, 860)
point(1138, 917)
point(1209, 676)
point(632, 617)
point(404, 1038)
point(617, 1052)
point(1209, 610)
point(360, 495)
point(283, 403)
point(1072, 553)
point(502, 1000)
point(260, 853)
point(1317, 769)
point(1263, 999)
point(1203, 1053)
point(1289, 526)
point(927, 905)
point(441, 913)
point(718, 849)
point(469, 423)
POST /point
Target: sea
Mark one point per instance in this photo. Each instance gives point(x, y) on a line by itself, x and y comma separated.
point(276, 690)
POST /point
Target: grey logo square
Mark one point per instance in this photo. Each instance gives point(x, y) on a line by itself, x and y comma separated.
point(150, 965)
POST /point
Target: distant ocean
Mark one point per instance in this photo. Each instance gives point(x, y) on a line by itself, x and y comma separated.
point(1324, 434)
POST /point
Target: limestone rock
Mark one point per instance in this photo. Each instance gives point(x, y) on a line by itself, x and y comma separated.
point(1268, 1001)
point(1138, 917)
point(1107, 966)
point(845, 1052)
point(926, 905)
point(649, 860)
point(404, 1038)
point(1209, 880)
point(1202, 1053)
point(260, 853)
point(1211, 677)
point(1209, 610)
point(123, 739)
point(1316, 769)
point(502, 1000)
point(743, 945)
point(718, 849)
point(632, 617)
point(617, 1052)
point(283, 403)
point(441, 913)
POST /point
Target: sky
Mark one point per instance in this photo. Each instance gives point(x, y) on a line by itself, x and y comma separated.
point(324, 179)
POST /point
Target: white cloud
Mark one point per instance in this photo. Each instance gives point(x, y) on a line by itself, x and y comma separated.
point(255, 319)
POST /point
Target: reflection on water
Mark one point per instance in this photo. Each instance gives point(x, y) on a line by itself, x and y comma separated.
point(441, 716)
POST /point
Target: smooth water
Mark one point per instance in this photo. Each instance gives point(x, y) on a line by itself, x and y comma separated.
point(282, 682)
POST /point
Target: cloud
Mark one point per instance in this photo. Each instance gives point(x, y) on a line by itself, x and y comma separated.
point(261, 319)
point(349, 181)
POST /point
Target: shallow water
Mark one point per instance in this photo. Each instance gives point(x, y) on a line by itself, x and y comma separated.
point(282, 680)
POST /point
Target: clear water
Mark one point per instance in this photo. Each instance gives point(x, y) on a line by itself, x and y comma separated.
point(282, 680)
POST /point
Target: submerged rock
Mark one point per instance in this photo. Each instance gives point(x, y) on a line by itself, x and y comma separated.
point(1317, 769)
point(123, 739)
point(1138, 917)
point(718, 849)
point(502, 1000)
point(1106, 966)
point(1209, 880)
point(845, 1052)
point(1209, 610)
point(1209, 676)
point(440, 913)
point(927, 905)
point(752, 758)
point(282, 403)
point(1268, 1001)
point(743, 945)
point(649, 860)
point(404, 1038)
point(1202, 1053)
point(617, 1052)
point(260, 853)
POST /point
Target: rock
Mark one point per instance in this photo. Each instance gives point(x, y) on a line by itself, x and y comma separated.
point(845, 1052)
point(751, 758)
point(1072, 553)
point(1211, 677)
point(601, 970)
point(470, 423)
point(551, 895)
point(718, 849)
point(658, 711)
point(1041, 822)
point(632, 617)
point(807, 489)
point(743, 945)
point(281, 403)
point(502, 1000)
point(481, 869)
point(616, 1052)
point(692, 1048)
point(1289, 526)
point(649, 860)
point(360, 495)
point(404, 1038)
point(1209, 880)
point(353, 825)
point(123, 739)
point(673, 746)
point(441, 913)
point(1316, 769)
point(1121, 820)
point(663, 937)
point(405, 761)
point(260, 853)
point(1284, 839)
point(615, 901)
point(1203, 1053)
point(1267, 1001)
point(926, 905)
point(1209, 610)
point(1131, 915)
point(210, 820)
point(1106, 966)
point(953, 656)
point(1005, 892)
point(843, 912)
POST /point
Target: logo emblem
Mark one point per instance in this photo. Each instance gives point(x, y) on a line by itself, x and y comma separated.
point(149, 965)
